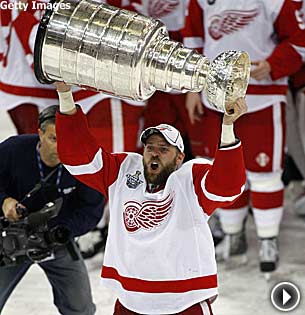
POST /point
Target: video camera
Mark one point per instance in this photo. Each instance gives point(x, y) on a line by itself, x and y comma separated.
point(30, 237)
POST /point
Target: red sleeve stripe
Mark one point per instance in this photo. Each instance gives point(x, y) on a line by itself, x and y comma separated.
point(28, 91)
point(166, 286)
point(91, 168)
point(218, 198)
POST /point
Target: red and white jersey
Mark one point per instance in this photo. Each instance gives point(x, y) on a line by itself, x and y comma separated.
point(18, 83)
point(170, 12)
point(266, 29)
point(159, 256)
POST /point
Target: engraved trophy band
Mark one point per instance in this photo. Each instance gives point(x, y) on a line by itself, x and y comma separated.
point(128, 55)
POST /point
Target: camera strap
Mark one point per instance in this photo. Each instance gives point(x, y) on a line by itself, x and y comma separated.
point(45, 179)
point(72, 251)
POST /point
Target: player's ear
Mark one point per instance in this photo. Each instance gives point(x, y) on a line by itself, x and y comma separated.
point(180, 158)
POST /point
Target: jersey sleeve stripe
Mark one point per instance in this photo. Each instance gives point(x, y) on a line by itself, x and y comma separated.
point(217, 198)
point(91, 168)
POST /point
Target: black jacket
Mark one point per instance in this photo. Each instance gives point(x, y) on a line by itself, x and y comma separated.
point(19, 172)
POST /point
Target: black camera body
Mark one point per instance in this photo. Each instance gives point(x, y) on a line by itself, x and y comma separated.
point(30, 237)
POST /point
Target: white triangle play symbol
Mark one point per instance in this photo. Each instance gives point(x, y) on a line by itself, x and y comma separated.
point(286, 297)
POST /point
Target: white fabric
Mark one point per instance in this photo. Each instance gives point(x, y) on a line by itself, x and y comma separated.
point(93, 167)
point(258, 47)
point(170, 134)
point(18, 72)
point(66, 102)
point(232, 220)
point(193, 42)
point(268, 222)
point(205, 308)
point(170, 12)
point(278, 137)
point(117, 125)
point(227, 134)
point(265, 182)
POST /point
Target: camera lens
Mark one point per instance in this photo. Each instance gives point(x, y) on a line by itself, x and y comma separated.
point(58, 235)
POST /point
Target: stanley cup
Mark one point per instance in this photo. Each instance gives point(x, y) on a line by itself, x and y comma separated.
point(128, 55)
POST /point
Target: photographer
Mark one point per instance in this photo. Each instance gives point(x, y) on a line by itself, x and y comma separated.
point(31, 178)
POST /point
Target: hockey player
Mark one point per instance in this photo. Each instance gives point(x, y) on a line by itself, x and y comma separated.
point(271, 34)
point(20, 92)
point(159, 254)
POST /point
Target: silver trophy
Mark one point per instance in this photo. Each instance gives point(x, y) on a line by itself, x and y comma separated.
point(128, 55)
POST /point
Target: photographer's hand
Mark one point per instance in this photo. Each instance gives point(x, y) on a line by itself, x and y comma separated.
point(9, 209)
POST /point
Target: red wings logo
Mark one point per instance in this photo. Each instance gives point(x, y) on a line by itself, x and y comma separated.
point(146, 215)
point(229, 22)
point(159, 8)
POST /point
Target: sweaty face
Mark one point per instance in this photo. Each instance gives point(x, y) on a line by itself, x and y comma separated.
point(160, 159)
point(48, 148)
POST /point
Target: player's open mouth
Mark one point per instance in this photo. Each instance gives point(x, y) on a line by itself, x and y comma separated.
point(154, 166)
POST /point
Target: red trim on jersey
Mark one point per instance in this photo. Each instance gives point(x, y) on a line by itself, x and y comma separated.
point(27, 91)
point(40, 92)
point(267, 89)
point(242, 201)
point(166, 286)
point(267, 200)
point(225, 179)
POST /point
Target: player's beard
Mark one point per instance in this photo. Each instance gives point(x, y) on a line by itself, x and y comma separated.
point(160, 178)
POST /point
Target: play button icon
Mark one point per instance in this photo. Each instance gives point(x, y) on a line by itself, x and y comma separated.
point(285, 296)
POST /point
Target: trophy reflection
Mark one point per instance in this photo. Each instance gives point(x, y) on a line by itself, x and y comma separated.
point(128, 55)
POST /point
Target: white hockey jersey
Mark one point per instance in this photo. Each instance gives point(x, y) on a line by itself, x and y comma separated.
point(18, 84)
point(159, 255)
point(266, 29)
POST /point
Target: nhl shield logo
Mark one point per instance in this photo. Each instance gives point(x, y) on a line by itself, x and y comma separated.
point(133, 181)
point(262, 159)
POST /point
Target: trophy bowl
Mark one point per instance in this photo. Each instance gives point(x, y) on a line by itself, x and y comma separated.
point(227, 79)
